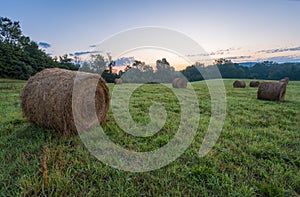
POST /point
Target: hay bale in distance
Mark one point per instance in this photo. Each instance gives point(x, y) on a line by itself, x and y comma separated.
point(179, 83)
point(274, 91)
point(118, 81)
point(152, 82)
point(239, 84)
point(174, 83)
point(254, 83)
point(285, 80)
point(46, 100)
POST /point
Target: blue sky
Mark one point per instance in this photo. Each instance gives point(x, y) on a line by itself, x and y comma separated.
point(244, 30)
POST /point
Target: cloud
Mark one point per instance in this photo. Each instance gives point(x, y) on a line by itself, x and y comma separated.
point(79, 53)
point(295, 49)
point(224, 51)
point(124, 61)
point(239, 57)
point(218, 52)
point(279, 50)
point(198, 55)
point(44, 45)
point(283, 59)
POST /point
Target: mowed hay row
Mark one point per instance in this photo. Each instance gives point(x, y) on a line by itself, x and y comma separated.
point(118, 81)
point(274, 91)
point(254, 83)
point(48, 97)
point(239, 84)
point(179, 83)
point(285, 80)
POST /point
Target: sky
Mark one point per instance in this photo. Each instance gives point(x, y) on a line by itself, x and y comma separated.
point(241, 30)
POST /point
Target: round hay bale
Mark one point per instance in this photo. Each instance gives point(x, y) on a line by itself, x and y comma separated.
point(179, 83)
point(46, 100)
point(285, 80)
point(174, 83)
point(274, 91)
point(118, 81)
point(239, 84)
point(254, 83)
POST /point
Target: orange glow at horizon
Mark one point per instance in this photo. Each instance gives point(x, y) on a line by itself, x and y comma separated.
point(150, 56)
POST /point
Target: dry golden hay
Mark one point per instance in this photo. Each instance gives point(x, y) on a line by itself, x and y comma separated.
point(179, 83)
point(274, 91)
point(254, 83)
point(239, 84)
point(285, 80)
point(48, 97)
point(118, 81)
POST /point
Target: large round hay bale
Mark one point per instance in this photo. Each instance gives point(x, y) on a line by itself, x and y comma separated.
point(274, 91)
point(118, 81)
point(239, 84)
point(285, 80)
point(254, 83)
point(179, 83)
point(46, 100)
point(174, 83)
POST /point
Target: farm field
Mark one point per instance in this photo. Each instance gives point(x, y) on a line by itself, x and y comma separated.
point(257, 154)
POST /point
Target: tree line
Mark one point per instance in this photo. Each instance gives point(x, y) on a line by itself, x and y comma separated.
point(20, 58)
point(267, 70)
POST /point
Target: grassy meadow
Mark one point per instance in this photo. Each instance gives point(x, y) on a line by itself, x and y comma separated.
point(257, 154)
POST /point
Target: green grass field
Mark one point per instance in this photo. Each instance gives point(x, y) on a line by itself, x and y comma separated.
point(257, 154)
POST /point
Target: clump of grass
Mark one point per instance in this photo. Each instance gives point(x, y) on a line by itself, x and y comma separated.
point(266, 189)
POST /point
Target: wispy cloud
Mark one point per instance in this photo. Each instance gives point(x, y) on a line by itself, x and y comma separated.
point(44, 45)
point(279, 50)
point(282, 54)
point(218, 52)
point(224, 51)
point(239, 57)
point(198, 55)
point(79, 53)
point(282, 59)
point(124, 61)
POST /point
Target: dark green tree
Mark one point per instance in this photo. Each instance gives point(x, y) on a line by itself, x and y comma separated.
point(20, 57)
point(164, 73)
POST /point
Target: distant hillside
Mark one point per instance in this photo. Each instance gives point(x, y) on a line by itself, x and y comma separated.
point(247, 64)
